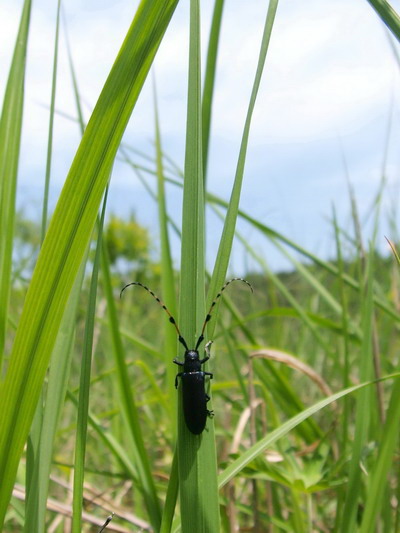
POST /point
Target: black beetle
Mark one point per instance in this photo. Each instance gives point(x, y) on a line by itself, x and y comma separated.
point(194, 393)
point(193, 377)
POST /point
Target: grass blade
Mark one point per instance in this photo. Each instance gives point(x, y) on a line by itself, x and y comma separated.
point(363, 411)
point(38, 457)
point(170, 499)
point(378, 479)
point(51, 124)
point(10, 138)
point(236, 466)
point(84, 386)
point(209, 79)
point(388, 16)
point(167, 271)
point(55, 397)
point(224, 250)
point(196, 453)
point(110, 441)
point(129, 410)
point(69, 234)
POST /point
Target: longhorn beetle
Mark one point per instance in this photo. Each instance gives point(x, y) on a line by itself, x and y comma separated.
point(193, 377)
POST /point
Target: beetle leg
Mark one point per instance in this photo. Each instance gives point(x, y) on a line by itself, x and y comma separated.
point(209, 413)
point(208, 374)
point(208, 346)
point(176, 378)
point(208, 354)
point(178, 362)
point(207, 350)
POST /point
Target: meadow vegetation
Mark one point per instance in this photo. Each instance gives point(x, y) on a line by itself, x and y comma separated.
point(306, 389)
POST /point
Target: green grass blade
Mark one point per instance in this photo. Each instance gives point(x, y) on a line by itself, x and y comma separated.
point(129, 410)
point(378, 479)
point(345, 319)
point(32, 468)
point(209, 79)
point(84, 386)
point(37, 464)
point(171, 497)
point(363, 410)
point(224, 250)
point(196, 453)
point(325, 265)
point(51, 126)
point(10, 138)
point(388, 16)
point(80, 119)
point(69, 233)
point(249, 455)
point(141, 344)
point(277, 282)
point(56, 389)
point(167, 271)
point(110, 442)
point(43, 429)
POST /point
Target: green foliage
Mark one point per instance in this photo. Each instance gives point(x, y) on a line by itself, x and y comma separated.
point(127, 240)
point(283, 452)
point(10, 138)
point(69, 234)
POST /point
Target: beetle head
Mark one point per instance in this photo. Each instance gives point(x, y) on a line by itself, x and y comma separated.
point(192, 355)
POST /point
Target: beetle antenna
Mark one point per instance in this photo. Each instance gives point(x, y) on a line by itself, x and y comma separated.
point(107, 522)
point(171, 318)
point(208, 316)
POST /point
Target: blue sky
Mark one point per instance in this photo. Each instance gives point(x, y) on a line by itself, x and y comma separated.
point(329, 91)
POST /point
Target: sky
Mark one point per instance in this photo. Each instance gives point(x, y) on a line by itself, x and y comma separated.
point(327, 113)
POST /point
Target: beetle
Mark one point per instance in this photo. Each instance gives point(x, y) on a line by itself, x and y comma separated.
point(193, 377)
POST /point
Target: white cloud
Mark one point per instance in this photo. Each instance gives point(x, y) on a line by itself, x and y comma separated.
point(328, 68)
point(329, 73)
